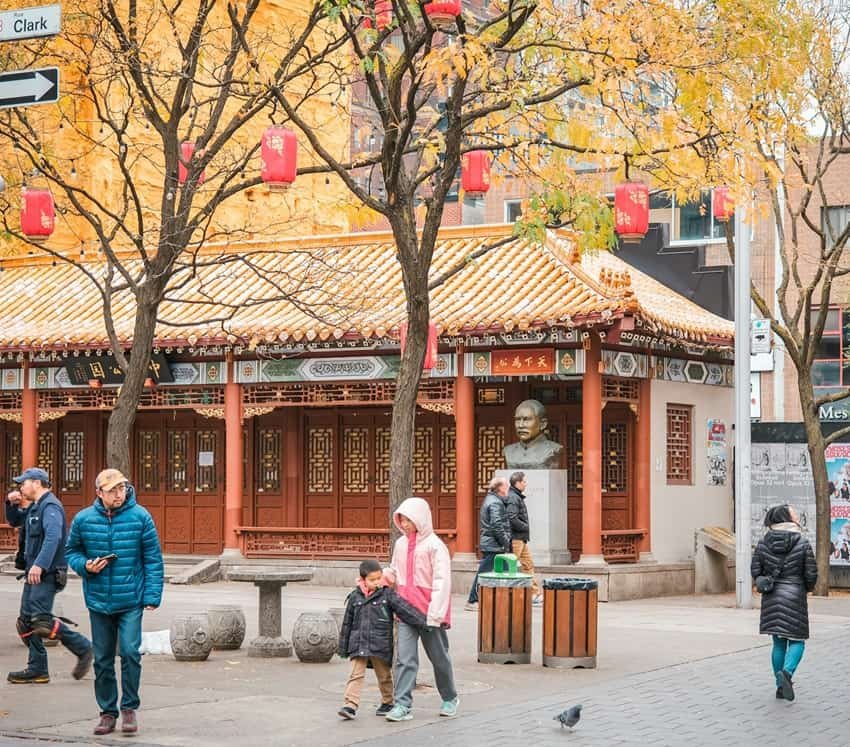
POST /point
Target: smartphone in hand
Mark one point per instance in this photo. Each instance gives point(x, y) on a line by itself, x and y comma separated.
point(109, 558)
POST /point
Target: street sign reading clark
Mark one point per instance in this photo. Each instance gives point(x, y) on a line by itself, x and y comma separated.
point(27, 87)
point(29, 23)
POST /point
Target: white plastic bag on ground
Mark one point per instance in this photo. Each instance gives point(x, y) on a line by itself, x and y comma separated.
point(155, 642)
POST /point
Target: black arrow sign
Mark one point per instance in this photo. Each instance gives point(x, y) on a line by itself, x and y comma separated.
point(27, 87)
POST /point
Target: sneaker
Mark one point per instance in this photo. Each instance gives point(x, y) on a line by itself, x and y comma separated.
point(537, 600)
point(786, 685)
point(449, 707)
point(399, 713)
point(81, 668)
point(106, 725)
point(129, 725)
point(25, 677)
point(471, 606)
point(347, 712)
point(384, 709)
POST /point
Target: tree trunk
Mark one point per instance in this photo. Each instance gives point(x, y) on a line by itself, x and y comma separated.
point(404, 405)
point(817, 455)
point(123, 415)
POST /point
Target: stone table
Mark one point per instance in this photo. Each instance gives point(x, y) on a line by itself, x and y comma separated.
point(270, 642)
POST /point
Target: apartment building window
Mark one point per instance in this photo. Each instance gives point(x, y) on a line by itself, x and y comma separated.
point(831, 368)
point(839, 217)
point(680, 441)
point(690, 222)
point(513, 210)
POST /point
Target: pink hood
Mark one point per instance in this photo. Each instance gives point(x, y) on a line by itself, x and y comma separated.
point(421, 566)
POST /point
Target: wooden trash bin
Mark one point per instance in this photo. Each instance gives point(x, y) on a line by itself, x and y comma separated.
point(570, 622)
point(504, 614)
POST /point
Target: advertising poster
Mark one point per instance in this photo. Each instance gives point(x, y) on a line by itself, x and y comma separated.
point(781, 473)
point(716, 452)
point(838, 471)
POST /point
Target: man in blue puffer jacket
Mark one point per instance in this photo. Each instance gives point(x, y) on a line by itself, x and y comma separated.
point(114, 547)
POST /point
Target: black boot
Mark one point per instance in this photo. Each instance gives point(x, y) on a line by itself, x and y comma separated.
point(26, 677)
point(786, 685)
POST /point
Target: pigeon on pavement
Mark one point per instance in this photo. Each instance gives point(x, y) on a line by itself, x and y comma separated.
point(570, 716)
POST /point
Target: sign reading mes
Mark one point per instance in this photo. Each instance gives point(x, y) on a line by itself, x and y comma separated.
point(29, 23)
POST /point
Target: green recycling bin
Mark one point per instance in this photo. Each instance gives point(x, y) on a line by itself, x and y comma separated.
point(504, 613)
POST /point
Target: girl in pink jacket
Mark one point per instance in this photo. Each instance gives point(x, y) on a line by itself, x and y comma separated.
point(421, 569)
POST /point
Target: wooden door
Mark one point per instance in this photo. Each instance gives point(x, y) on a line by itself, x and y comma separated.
point(178, 472)
point(10, 453)
point(78, 450)
point(617, 467)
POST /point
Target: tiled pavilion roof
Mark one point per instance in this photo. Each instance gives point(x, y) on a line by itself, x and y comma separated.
point(350, 286)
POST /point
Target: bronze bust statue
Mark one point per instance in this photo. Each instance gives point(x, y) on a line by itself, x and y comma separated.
point(534, 450)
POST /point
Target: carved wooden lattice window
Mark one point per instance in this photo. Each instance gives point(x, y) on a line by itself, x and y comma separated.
point(245, 461)
point(268, 460)
point(73, 460)
point(206, 480)
point(13, 456)
point(176, 460)
point(147, 460)
point(382, 459)
point(355, 459)
point(679, 444)
point(614, 458)
point(448, 459)
point(45, 452)
point(575, 457)
point(320, 460)
point(491, 442)
point(423, 459)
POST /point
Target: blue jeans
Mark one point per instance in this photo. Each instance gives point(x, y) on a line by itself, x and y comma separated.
point(786, 655)
point(485, 566)
point(37, 599)
point(125, 630)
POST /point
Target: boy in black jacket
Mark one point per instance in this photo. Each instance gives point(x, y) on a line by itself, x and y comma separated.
point(367, 635)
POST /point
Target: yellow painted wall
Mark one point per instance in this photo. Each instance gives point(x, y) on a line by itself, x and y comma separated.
point(73, 139)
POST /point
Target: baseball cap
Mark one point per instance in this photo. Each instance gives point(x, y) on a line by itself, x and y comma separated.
point(33, 473)
point(109, 478)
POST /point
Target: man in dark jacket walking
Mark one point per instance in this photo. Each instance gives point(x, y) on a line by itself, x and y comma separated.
point(520, 534)
point(113, 545)
point(495, 532)
point(46, 574)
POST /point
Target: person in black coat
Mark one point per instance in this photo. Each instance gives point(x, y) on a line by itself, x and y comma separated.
point(367, 635)
point(494, 533)
point(520, 531)
point(786, 556)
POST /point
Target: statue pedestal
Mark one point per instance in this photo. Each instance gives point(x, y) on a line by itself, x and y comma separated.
point(546, 500)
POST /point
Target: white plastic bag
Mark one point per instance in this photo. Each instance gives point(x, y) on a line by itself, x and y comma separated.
point(155, 642)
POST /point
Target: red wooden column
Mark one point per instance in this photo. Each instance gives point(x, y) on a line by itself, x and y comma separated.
point(29, 423)
point(591, 473)
point(465, 449)
point(643, 467)
point(233, 460)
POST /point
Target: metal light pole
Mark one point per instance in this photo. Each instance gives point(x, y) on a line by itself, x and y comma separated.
point(743, 549)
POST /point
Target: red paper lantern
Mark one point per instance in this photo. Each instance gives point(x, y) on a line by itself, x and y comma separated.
point(187, 150)
point(278, 157)
point(631, 211)
point(383, 14)
point(431, 349)
point(443, 14)
point(38, 215)
point(475, 173)
point(722, 205)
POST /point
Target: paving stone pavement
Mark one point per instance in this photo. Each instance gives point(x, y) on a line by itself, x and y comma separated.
point(721, 700)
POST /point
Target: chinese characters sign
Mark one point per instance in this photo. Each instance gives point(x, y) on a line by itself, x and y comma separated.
point(534, 361)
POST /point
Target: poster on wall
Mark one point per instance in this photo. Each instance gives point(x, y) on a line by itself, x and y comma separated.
point(782, 473)
point(838, 472)
point(716, 452)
